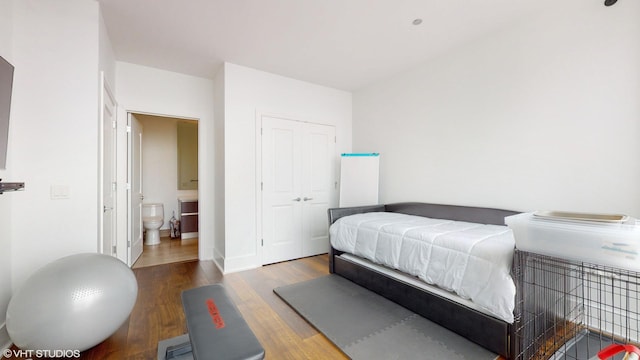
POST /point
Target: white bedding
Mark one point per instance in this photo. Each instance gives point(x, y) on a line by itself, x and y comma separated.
point(471, 260)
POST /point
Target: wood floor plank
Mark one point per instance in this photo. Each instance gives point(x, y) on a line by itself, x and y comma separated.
point(168, 251)
point(158, 313)
point(265, 289)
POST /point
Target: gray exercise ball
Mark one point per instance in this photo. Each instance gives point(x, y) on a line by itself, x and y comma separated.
point(73, 303)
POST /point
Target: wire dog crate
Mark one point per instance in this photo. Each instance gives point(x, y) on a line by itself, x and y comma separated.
point(570, 310)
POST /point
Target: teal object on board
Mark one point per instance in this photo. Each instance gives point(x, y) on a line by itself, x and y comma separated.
point(361, 154)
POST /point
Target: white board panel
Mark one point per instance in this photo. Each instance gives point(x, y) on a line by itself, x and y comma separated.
point(359, 175)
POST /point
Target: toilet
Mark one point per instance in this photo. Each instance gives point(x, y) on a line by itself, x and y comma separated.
point(152, 220)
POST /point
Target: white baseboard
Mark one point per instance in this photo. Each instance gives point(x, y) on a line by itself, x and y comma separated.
point(614, 320)
point(190, 235)
point(240, 263)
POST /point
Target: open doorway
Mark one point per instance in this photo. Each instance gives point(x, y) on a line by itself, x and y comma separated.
point(168, 176)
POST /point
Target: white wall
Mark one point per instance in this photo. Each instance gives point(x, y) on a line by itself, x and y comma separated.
point(160, 164)
point(147, 90)
point(54, 131)
point(6, 31)
point(53, 135)
point(543, 115)
point(107, 60)
point(246, 92)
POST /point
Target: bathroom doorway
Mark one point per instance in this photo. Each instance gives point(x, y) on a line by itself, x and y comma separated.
point(169, 172)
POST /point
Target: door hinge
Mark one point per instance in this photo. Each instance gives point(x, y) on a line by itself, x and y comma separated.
point(114, 186)
point(114, 125)
point(113, 250)
point(335, 139)
point(261, 242)
point(261, 186)
point(128, 186)
point(128, 243)
point(260, 131)
point(128, 128)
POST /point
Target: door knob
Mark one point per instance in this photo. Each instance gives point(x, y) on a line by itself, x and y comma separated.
point(307, 199)
point(296, 199)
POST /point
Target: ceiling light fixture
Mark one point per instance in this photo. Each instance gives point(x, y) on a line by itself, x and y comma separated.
point(417, 22)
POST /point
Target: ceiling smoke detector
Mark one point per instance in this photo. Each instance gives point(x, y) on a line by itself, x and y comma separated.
point(609, 2)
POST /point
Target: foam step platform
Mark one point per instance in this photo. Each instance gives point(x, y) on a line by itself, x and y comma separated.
point(216, 328)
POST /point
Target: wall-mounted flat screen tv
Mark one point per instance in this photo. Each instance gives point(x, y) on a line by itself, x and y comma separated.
point(6, 86)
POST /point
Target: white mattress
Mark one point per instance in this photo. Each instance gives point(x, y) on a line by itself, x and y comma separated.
point(468, 259)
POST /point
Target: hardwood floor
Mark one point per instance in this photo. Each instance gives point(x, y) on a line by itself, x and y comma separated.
point(168, 251)
point(158, 313)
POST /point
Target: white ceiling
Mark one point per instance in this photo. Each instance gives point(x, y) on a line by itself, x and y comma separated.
point(345, 44)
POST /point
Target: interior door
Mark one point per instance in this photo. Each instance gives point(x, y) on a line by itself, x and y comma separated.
point(298, 186)
point(108, 118)
point(281, 190)
point(135, 193)
point(319, 186)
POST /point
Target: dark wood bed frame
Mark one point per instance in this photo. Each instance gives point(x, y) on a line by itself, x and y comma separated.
point(489, 332)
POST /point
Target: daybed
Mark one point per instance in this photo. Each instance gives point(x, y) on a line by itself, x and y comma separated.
point(443, 307)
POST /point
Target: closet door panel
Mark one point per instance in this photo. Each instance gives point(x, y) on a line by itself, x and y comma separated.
point(298, 186)
point(281, 188)
point(318, 181)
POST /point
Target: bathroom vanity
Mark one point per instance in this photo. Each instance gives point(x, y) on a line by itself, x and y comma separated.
point(188, 218)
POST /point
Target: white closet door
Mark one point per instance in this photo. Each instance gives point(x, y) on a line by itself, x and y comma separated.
point(298, 186)
point(319, 186)
point(281, 190)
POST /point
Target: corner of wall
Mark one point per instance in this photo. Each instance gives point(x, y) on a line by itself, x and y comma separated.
point(5, 340)
point(218, 260)
point(219, 251)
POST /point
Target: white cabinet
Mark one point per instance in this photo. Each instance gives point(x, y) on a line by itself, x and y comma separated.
point(298, 186)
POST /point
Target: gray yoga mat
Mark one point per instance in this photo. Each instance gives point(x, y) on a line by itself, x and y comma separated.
point(365, 325)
